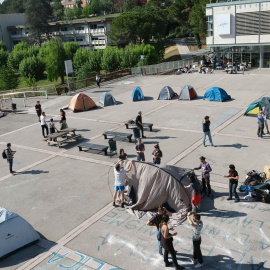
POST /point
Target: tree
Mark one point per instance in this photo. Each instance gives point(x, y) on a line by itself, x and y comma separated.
point(70, 49)
point(3, 57)
point(69, 14)
point(15, 58)
point(37, 13)
point(110, 59)
point(32, 67)
point(95, 7)
point(3, 46)
point(12, 6)
point(54, 60)
point(77, 12)
point(127, 5)
point(106, 5)
point(58, 9)
point(33, 50)
point(8, 79)
point(80, 58)
point(21, 46)
point(79, 3)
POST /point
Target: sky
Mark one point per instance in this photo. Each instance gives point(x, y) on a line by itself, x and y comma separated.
point(1, 1)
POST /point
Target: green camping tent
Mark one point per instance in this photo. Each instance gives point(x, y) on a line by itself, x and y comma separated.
point(255, 107)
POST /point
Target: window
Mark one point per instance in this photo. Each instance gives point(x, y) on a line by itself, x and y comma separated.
point(14, 32)
point(247, 23)
point(210, 26)
point(79, 39)
point(63, 29)
point(93, 26)
point(79, 27)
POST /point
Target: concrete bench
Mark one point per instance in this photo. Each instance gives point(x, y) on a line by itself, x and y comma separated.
point(117, 135)
point(91, 146)
point(147, 125)
point(68, 139)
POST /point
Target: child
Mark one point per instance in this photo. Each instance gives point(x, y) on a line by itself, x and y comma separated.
point(52, 127)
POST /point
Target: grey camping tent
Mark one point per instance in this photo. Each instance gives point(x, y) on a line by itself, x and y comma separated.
point(187, 93)
point(154, 185)
point(107, 99)
point(15, 232)
point(166, 93)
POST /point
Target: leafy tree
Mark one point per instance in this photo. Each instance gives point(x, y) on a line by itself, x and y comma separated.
point(8, 79)
point(69, 14)
point(37, 13)
point(3, 57)
point(30, 82)
point(3, 46)
point(77, 12)
point(84, 72)
point(106, 5)
point(70, 49)
point(79, 3)
point(15, 58)
point(54, 60)
point(32, 67)
point(33, 50)
point(80, 58)
point(86, 10)
point(12, 6)
point(95, 7)
point(95, 60)
point(21, 46)
point(127, 5)
point(110, 59)
point(58, 9)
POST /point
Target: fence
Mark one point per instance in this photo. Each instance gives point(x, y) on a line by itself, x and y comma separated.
point(92, 81)
point(164, 67)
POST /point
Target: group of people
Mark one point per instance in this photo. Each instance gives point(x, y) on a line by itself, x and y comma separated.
point(186, 69)
point(206, 70)
point(262, 122)
point(51, 128)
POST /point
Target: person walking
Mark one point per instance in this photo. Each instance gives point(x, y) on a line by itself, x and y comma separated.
point(119, 185)
point(139, 148)
point(265, 117)
point(206, 130)
point(98, 80)
point(63, 120)
point(197, 225)
point(206, 169)
point(167, 243)
point(195, 193)
point(44, 124)
point(260, 125)
point(155, 221)
point(157, 154)
point(38, 110)
point(123, 155)
point(10, 155)
point(139, 123)
point(233, 176)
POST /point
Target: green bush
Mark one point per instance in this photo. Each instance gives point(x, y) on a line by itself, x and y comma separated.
point(8, 79)
point(3, 57)
point(32, 67)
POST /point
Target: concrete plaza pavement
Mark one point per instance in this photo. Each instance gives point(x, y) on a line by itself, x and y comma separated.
point(66, 195)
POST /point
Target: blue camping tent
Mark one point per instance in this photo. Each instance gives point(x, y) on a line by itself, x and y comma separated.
point(216, 94)
point(137, 94)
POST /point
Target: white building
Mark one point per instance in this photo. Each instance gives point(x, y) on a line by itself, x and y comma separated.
point(239, 31)
point(89, 33)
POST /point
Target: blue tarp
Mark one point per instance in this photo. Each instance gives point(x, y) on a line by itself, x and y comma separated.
point(216, 94)
point(137, 94)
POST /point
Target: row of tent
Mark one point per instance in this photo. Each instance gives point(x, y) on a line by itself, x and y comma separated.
point(82, 102)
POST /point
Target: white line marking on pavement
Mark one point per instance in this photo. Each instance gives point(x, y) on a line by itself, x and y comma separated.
point(19, 129)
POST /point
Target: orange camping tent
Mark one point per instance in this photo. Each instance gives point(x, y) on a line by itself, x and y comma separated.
point(81, 102)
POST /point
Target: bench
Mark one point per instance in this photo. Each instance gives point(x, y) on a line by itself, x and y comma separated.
point(148, 125)
point(68, 138)
point(118, 135)
point(92, 146)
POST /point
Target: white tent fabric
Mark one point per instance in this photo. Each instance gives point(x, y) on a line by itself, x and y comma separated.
point(15, 232)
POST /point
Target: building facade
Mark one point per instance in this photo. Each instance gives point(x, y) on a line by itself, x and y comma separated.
point(239, 31)
point(88, 33)
point(72, 4)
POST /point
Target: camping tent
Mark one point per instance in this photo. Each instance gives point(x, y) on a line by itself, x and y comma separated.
point(154, 185)
point(137, 94)
point(187, 93)
point(256, 106)
point(15, 232)
point(216, 94)
point(107, 99)
point(81, 102)
point(166, 93)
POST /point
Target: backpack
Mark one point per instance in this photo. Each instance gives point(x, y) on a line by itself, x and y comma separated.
point(4, 155)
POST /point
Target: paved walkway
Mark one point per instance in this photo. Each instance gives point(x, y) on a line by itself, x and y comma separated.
point(182, 48)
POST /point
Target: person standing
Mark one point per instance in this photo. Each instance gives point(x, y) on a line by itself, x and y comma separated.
point(10, 155)
point(139, 148)
point(38, 110)
point(119, 185)
point(52, 127)
point(206, 130)
point(63, 120)
point(98, 80)
point(123, 155)
point(155, 221)
point(195, 193)
point(260, 125)
point(167, 243)
point(157, 154)
point(197, 225)
point(44, 124)
point(206, 169)
point(139, 123)
point(265, 117)
point(233, 176)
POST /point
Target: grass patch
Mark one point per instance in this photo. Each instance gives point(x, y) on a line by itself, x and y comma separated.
point(171, 52)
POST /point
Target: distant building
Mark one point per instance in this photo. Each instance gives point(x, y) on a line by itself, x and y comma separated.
point(72, 4)
point(7, 20)
point(88, 33)
point(239, 31)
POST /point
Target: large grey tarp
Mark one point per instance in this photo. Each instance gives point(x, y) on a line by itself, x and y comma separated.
point(155, 185)
point(166, 93)
point(15, 232)
point(107, 99)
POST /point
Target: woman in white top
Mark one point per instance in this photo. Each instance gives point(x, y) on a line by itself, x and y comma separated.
point(44, 124)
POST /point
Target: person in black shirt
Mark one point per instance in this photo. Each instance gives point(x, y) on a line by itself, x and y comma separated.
point(206, 130)
point(38, 110)
point(139, 148)
point(123, 155)
point(233, 175)
point(157, 154)
point(139, 122)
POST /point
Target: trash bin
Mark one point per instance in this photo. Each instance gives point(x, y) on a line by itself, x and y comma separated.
point(66, 90)
point(136, 134)
point(14, 107)
point(112, 146)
